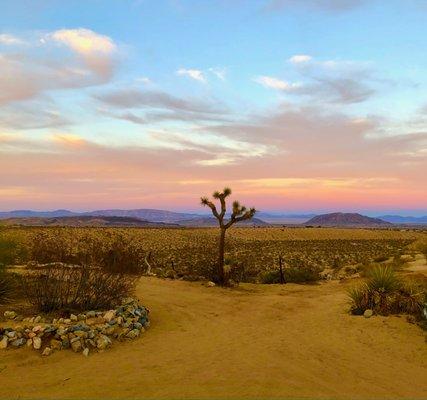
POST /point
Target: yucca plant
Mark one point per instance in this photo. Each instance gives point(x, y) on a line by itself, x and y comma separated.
point(385, 293)
point(383, 279)
point(359, 299)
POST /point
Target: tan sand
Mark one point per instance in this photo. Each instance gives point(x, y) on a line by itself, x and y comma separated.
point(255, 341)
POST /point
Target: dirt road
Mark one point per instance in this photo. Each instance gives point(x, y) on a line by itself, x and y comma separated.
point(255, 341)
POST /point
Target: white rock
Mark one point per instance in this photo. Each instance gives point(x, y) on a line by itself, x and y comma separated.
point(37, 343)
point(3, 342)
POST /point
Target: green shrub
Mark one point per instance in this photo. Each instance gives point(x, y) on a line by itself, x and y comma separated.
point(383, 279)
point(385, 294)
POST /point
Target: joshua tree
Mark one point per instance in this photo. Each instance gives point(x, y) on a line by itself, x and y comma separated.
point(239, 213)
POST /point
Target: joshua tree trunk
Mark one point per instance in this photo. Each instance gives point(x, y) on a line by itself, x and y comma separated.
point(282, 276)
point(222, 275)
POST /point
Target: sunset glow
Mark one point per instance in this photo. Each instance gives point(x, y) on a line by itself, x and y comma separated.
point(137, 104)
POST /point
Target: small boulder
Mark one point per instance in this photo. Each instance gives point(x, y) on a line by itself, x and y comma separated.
point(368, 313)
point(3, 342)
point(210, 284)
point(55, 344)
point(102, 342)
point(133, 334)
point(37, 343)
point(76, 346)
point(109, 315)
point(18, 342)
point(47, 352)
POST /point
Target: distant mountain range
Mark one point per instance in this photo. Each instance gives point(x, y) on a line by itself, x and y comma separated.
point(138, 217)
point(398, 219)
point(143, 213)
point(85, 220)
point(146, 216)
point(346, 219)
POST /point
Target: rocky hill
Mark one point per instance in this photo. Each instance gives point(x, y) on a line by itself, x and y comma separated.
point(346, 219)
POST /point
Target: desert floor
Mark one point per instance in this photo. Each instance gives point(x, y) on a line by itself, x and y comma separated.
point(253, 341)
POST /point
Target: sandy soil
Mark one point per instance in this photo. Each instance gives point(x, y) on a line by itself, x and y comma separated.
point(418, 265)
point(255, 341)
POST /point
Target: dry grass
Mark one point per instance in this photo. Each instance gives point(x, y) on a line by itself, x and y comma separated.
point(62, 287)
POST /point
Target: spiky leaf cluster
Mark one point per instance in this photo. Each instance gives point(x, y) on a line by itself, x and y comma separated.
point(239, 212)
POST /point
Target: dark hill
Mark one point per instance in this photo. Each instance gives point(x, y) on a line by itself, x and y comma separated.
point(346, 219)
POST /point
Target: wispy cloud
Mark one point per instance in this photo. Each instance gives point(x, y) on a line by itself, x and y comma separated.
point(195, 74)
point(275, 83)
point(300, 58)
point(39, 68)
point(220, 73)
point(330, 81)
point(10, 40)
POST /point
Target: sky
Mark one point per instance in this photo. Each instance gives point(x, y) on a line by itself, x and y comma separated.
point(297, 105)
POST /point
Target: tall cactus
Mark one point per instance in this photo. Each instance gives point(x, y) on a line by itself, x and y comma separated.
point(239, 213)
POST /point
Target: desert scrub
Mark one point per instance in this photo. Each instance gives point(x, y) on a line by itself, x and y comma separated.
point(12, 249)
point(192, 253)
point(296, 270)
point(385, 293)
point(8, 286)
point(65, 287)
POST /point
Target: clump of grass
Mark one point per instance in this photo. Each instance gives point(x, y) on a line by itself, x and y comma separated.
point(383, 279)
point(385, 293)
point(8, 287)
point(62, 287)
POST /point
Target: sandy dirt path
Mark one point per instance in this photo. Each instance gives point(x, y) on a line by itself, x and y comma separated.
point(255, 341)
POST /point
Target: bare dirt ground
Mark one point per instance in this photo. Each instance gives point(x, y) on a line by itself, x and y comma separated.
point(254, 341)
point(418, 265)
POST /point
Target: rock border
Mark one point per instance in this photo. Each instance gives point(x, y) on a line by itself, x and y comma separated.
point(82, 333)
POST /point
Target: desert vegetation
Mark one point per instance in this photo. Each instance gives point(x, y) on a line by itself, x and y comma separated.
point(385, 293)
point(251, 254)
point(63, 287)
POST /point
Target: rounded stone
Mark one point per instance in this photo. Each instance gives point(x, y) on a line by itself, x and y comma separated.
point(76, 346)
point(37, 343)
point(47, 352)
